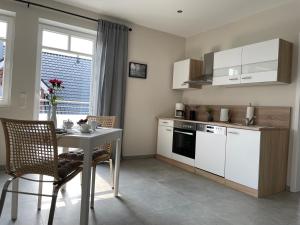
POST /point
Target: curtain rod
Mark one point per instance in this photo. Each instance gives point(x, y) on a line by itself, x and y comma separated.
point(58, 10)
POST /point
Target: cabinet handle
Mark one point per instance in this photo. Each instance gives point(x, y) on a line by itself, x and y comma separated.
point(233, 78)
point(168, 130)
point(247, 78)
point(231, 132)
point(164, 122)
point(181, 132)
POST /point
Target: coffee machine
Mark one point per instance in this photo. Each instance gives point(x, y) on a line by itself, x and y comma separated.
point(179, 110)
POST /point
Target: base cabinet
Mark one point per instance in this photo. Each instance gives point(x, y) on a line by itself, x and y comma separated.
point(255, 160)
point(242, 157)
point(165, 141)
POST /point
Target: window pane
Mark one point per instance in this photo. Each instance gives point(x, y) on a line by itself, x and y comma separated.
point(3, 29)
point(76, 74)
point(55, 40)
point(81, 45)
point(2, 60)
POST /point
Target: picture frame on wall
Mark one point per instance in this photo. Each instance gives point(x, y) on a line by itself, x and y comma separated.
point(137, 70)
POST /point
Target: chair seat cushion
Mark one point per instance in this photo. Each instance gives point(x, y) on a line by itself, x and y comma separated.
point(78, 155)
point(66, 167)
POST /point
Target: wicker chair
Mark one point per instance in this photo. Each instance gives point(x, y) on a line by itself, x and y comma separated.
point(31, 148)
point(101, 154)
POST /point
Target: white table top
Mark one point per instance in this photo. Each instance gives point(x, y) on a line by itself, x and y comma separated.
point(99, 131)
point(75, 139)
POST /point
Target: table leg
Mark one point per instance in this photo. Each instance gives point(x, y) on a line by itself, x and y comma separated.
point(40, 192)
point(117, 167)
point(86, 183)
point(14, 200)
point(65, 150)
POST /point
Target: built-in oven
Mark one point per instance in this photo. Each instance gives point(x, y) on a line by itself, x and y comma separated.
point(184, 139)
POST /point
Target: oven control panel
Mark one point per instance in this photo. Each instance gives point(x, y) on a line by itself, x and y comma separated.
point(185, 125)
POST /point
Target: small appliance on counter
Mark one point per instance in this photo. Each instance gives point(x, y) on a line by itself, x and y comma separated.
point(179, 110)
point(192, 115)
point(224, 115)
point(249, 120)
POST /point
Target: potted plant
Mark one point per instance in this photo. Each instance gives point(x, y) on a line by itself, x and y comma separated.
point(209, 111)
point(52, 96)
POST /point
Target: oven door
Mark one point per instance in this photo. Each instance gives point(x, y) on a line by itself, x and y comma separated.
point(184, 142)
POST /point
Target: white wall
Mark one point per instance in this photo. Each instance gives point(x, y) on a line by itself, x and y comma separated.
point(283, 22)
point(145, 98)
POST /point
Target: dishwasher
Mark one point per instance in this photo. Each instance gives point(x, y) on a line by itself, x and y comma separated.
point(210, 149)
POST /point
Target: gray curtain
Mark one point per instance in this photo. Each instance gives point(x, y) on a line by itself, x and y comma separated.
point(111, 69)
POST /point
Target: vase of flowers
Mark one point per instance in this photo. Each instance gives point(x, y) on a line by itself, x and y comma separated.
point(53, 91)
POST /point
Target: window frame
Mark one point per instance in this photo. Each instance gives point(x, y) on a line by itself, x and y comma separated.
point(62, 29)
point(8, 60)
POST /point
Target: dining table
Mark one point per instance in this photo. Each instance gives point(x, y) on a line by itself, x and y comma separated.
point(87, 142)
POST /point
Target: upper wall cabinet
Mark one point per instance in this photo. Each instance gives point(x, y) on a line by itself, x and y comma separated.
point(266, 62)
point(186, 70)
point(269, 61)
point(227, 67)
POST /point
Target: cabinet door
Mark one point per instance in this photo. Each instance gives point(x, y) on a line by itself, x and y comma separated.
point(181, 73)
point(242, 157)
point(261, 52)
point(210, 157)
point(260, 62)
point(227, 67)
point(228, 58)
point(165, 141)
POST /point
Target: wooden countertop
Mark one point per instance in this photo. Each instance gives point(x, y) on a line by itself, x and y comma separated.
point(228, 125)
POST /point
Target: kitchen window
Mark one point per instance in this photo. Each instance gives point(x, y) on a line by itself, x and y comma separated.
point(6, 49)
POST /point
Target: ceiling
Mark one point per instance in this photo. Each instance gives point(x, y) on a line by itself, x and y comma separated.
point(198, 15)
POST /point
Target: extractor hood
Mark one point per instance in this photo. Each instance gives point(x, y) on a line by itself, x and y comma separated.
point(208, 66)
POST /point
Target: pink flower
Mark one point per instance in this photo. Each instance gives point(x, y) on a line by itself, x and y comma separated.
point(55, 82)
point(52, 82)
point(59, 81)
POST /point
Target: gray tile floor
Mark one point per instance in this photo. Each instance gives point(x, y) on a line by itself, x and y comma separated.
point(155, 193)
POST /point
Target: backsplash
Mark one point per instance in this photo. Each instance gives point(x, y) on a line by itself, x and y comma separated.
point(265, 115)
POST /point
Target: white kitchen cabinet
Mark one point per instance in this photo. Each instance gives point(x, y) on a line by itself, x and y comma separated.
point(185, 70)
point(210, 152)
point(165, 138)
point(267, 62)
point(242, 157)
point(227, 67)
point(268, 51)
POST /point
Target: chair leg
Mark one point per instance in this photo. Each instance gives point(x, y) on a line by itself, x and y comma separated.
point(14, 200)
point(111, 169)
point(40, 192)
point(64, 150)
point(3, 195)
point(93, 186)
point(53, 203)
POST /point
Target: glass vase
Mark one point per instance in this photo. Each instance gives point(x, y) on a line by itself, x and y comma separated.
point(53, 115)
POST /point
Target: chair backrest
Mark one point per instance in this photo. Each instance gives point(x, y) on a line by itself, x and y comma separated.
point(31, 147)
point(105, 121)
